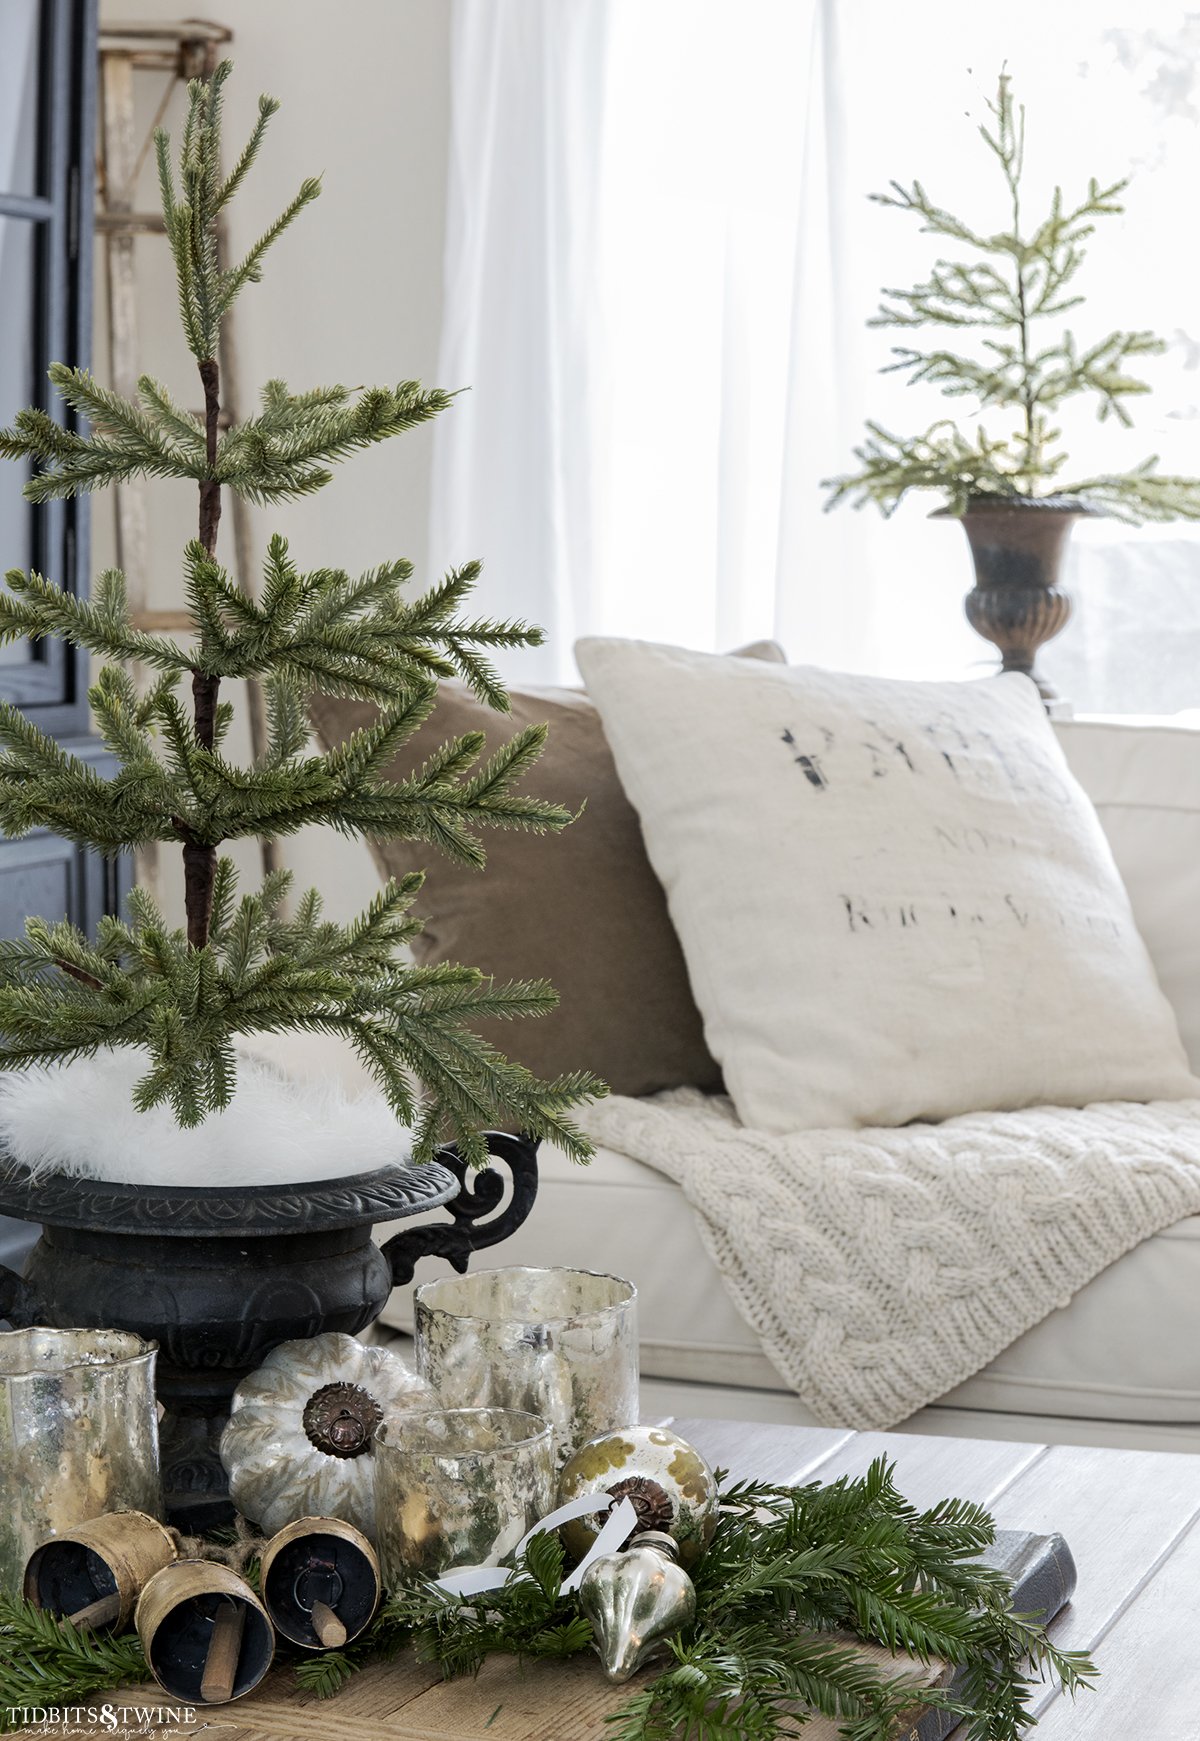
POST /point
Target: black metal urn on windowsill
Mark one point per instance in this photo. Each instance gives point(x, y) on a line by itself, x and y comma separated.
point(220, 1277)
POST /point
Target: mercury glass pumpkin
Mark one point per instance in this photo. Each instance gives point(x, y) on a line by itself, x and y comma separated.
point(299, 1442)
point(671, 1487)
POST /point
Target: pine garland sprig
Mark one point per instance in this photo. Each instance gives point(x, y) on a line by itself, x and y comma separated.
point(45, 1660)
point(794, 1575)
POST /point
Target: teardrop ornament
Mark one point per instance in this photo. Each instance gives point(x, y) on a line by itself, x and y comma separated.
point(636, 1600)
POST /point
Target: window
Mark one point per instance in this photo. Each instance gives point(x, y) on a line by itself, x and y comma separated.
point(661, 261)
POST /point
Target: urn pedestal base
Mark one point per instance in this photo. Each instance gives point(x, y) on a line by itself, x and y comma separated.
point(219, 1278)
point(1018, 546)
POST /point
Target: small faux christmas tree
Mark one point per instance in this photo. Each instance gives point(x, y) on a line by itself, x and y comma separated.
point(243, 965)
point(1018, 279)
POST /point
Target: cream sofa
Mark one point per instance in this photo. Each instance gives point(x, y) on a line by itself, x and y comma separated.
point(1119, 1365)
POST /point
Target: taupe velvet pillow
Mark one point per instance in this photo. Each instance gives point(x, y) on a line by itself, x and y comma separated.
point(582, 909)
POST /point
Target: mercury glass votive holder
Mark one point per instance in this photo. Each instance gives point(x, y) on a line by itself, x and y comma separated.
point(78, 1435)
point(559, 1343)
point(458, 1487)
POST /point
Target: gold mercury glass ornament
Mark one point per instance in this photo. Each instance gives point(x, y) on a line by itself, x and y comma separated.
point(636, 1600)
point(668, 1482)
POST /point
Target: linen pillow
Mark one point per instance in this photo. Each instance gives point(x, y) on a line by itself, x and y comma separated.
point(582, 909)
point(894, 899)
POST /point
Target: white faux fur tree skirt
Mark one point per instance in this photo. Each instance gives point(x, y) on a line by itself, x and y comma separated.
point(880, 1268)
point(280, 1128)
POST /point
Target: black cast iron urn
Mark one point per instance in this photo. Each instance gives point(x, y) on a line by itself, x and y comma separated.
point(220, 1277)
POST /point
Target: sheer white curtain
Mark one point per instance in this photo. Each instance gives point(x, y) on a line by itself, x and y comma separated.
point(514, 471)
point(661, 262)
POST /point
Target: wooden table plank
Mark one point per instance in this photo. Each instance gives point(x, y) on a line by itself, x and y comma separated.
point(507, 1701)
point(374, 1695)
point(1149, 1664)
point(1122, 1512)
point(513, 1701)
point(763, 1453)
point(929, 1469)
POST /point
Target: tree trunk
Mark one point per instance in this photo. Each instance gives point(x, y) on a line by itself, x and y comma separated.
point(199, 860)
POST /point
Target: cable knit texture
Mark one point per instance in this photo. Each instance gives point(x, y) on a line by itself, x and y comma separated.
point(880, 1268)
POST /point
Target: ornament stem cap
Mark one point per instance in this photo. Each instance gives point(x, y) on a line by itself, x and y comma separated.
point(660, 1541)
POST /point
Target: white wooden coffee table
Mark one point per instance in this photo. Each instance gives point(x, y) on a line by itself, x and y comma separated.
point(1129, 1517)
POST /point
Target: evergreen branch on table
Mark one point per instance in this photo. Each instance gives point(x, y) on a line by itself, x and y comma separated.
point(1014, 280)
point(793, 1576)
point(45, 1660)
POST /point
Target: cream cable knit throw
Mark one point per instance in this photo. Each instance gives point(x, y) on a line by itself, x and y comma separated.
point(881, 1268)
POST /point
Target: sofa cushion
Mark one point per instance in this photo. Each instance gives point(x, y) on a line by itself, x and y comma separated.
point(583, 910)
point(894, 900)
point(1144, 779)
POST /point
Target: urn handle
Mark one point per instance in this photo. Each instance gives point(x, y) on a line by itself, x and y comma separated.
point(18, 1302)
point(479, 1195)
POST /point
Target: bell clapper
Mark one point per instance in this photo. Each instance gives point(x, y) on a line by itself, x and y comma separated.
point(224, 1648)
point(102, 1612)
point(327, 1626)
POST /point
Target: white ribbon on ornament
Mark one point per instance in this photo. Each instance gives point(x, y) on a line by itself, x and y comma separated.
point(617, 1527)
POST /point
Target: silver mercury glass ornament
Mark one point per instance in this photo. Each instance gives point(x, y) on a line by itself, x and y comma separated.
point(636, 1600)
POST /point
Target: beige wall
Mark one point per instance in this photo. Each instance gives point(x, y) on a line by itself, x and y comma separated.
point(352, 293)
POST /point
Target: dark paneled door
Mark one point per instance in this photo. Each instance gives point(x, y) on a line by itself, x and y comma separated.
point(47, 130)
point(47, 124)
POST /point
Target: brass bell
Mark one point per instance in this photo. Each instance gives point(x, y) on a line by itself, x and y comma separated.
point(636, 1600)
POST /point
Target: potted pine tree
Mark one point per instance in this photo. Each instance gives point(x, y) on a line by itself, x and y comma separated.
point(219, 1275)
point(1007, 489)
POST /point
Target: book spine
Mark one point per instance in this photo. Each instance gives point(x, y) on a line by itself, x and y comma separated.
point(1044, 1576)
